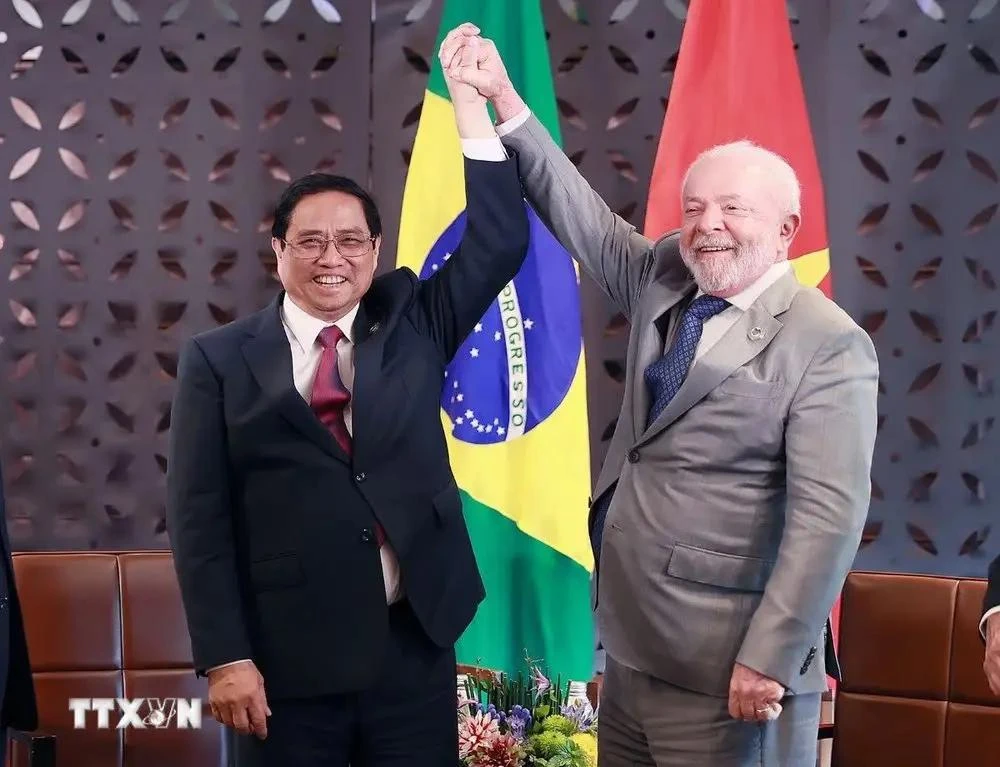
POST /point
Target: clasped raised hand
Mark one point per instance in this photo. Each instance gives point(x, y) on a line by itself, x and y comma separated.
point(472, 60)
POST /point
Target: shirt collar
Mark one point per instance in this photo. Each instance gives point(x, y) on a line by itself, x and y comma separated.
point(306, 328)
point(745, 298)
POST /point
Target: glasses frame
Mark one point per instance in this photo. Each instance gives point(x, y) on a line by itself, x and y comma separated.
point(293, 250)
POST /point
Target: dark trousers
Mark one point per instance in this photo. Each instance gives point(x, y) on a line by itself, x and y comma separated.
point(408, 719)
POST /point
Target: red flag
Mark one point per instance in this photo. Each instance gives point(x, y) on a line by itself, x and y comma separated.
point(737, 78)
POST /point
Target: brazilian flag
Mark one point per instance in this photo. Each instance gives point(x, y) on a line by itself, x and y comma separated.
point(514, 403)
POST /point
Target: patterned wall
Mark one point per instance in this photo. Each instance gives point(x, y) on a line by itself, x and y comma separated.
point(912, 168)
point(145, 145)
point(143, 219)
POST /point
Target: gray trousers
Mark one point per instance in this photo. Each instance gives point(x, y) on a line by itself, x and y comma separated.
point(646, 722)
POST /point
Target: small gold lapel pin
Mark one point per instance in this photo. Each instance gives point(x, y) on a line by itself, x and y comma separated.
point(756, 333)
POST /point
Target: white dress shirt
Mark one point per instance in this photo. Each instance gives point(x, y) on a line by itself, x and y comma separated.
point(982, 623)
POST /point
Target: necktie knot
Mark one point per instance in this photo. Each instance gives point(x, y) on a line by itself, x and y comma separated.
point(704, 307)
point(330, 336)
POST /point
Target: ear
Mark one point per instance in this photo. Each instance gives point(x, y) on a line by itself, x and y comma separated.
point(376, 249)
point(789, 228)
point(277, 247)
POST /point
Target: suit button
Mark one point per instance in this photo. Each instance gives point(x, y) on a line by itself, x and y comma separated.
point(633, 456)
point(360, 476)
point(367, 536)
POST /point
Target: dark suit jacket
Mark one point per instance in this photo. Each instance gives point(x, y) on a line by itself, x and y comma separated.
point(271, 524)
point(993, 587)
point(18, 708)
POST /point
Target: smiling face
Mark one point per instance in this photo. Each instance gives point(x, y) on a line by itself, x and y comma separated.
point(737, 220)
point(327, 282)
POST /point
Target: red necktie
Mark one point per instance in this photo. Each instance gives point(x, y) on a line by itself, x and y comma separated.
point(330, 397)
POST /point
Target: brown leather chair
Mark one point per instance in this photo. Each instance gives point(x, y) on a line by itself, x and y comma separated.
point(112, 625)
point(914, 693)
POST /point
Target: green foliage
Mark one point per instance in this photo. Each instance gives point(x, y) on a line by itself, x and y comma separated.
point(559, 751)
point(534, 709)
point(558, 723)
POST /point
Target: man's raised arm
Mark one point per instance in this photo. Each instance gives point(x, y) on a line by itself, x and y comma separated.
point(615, 255)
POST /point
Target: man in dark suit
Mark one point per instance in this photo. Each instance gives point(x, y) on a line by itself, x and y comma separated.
point(317, 529)
point(18, 708)
point(990, 627)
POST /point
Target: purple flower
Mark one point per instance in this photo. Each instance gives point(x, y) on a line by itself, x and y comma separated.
point(542, 684)
point(518, 722)
point(581, 714)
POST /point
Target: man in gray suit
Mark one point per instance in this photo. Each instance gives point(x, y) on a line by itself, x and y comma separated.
point(731, 502)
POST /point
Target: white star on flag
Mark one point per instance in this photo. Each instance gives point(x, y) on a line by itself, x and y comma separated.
point(474, 352)
point(528, 324)
point(479, 327)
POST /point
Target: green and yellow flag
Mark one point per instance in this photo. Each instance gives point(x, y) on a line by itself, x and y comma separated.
point(518, 435)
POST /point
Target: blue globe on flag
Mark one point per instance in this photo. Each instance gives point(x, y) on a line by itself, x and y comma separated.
point(517, 365)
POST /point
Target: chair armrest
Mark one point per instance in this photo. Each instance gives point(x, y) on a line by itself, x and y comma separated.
point(827, 728)
point(41, 746)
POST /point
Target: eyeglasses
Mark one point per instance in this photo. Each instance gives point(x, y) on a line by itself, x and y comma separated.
point(313, 246)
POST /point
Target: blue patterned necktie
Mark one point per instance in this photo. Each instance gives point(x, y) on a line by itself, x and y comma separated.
point(664, 378)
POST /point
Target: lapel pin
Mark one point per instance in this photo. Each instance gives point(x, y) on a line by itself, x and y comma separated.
point(756, 333)
point(372, 329)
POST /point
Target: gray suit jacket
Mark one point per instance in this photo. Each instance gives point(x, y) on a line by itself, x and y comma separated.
point(738, 513)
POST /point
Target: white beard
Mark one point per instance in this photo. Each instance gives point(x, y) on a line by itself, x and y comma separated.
point(729, 272)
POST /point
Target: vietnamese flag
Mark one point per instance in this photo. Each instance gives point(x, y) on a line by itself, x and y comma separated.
point(737, 78)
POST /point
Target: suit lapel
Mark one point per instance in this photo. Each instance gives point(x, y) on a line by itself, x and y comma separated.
point(269, 358)
point(368, 350)
point(742, 342)
point(650, 347)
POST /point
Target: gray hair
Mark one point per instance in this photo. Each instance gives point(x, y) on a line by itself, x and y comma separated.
point(788, 183)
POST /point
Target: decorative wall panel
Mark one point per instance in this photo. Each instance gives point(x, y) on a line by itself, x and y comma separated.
point(145, 145)
point(912, 169)
point(181, 122)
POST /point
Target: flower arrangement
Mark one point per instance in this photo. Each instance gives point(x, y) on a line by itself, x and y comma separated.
point(533, 722)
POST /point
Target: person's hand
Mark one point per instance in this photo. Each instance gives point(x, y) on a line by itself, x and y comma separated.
point(474, 60)
point(991, 665)
point(461, 58)
point(236, 695)
point(753, 697)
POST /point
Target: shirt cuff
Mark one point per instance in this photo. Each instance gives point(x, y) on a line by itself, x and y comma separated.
point(982, 623)
point(515, 122)
point(231, 663)
point(484, 149)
